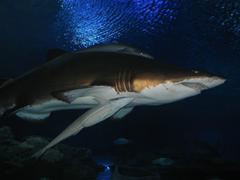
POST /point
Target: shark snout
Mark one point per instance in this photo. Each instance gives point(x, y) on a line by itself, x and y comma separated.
point(203, 83)
point(213, 81)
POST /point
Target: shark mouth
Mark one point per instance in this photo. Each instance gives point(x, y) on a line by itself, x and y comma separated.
point(195, 86)
point(200, 84)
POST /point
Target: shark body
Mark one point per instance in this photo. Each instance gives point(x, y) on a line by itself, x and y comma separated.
point(109, 80)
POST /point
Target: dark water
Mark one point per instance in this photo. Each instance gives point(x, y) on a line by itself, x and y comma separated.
point(202, 34)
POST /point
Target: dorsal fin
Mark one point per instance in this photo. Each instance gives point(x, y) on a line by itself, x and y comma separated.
point(118, 48)
point(54, 53)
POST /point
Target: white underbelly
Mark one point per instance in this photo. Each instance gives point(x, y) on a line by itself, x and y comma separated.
point(85, 98)
point(56, 105)
point(43, 110)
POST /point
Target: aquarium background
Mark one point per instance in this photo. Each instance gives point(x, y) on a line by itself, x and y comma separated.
point(201, 34)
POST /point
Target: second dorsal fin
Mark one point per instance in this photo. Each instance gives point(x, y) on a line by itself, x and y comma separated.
point(54, 53)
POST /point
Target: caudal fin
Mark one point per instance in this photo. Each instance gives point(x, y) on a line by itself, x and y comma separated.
point(5, 81)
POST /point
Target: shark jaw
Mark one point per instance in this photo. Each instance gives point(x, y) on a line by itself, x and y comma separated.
point(174, 91)
point(203, 83)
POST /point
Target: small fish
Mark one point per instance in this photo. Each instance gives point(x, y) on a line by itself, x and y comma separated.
point(163, 161)
point(121, 141)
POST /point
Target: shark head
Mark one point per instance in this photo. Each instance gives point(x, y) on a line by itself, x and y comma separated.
point(166, 83)
point(200, 81)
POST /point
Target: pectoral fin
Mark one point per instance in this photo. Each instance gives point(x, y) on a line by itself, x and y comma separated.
point(90, 118)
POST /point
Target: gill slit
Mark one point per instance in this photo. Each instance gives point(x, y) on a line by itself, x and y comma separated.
point(123, 81)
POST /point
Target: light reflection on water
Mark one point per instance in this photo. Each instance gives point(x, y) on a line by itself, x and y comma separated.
point(83, 23)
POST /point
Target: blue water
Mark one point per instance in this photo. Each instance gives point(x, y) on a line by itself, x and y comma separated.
point(197, 34)
point(93, 22)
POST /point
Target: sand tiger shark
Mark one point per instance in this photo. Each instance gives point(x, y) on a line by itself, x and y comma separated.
point(109, 80)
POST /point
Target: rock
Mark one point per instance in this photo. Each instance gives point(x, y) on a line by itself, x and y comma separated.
point(134, 173)
point(60, 162)
point(6, 134)
point(45, 178)
point(36, 142)
point(53, 155)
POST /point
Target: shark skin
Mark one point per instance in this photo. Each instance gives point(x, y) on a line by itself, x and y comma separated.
point(109, 80)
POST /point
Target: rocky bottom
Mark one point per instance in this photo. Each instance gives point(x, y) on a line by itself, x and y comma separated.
point(61, 162)
point(64, 162)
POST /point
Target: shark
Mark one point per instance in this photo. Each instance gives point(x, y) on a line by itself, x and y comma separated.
point(107, 80)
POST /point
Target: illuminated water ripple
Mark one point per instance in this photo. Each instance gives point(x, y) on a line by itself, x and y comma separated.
point(226, 14)
point(82, 23)
point(212, 22)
